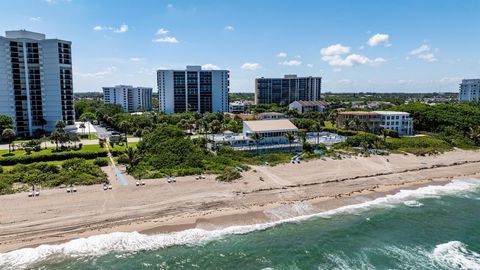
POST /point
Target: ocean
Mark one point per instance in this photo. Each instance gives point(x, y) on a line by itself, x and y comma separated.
point(433, 227)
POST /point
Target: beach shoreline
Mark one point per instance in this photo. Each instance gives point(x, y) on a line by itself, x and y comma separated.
point(57, 217)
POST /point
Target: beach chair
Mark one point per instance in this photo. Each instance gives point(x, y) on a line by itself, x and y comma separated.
point(105, 187)
point(110, 187)
point(74, 189)
point(30, 194)
point(37, 193)
point(174, 180)
point(137, 184)
point(169, 180)
point(68, 190)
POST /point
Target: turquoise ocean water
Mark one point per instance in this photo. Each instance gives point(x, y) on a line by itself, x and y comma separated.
point(434, 227)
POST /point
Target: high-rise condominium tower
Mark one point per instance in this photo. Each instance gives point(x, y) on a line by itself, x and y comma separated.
point(470, 90)
point(284, 91)
point(35, 81)
point(193, 90)
point(131, 98)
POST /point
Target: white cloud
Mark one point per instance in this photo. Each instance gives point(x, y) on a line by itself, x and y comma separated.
point(282, 54)
point(99, 74)
point(122, 29)
point(166, 40)
point(335, 49)
point(429, 57)
point(450, 79)
point(136, 59)
point(170, 6)
point(337, 69)
point(310, 65)
point(210, 66)
point(424, 53)
point(421, 49)
point(251, 66)
point(379, 39)
point(352, 60)
point(162, 31)
point(290, 63)
point(298, 56)
point(229, 28)
point(35, 19)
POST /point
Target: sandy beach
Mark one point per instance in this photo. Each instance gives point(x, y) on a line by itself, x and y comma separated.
point(313, 186)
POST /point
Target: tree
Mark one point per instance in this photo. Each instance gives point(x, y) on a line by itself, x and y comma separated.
point(290, 137)
point(257, 137)
point(133, 157)
point(9, 135)
point(317, 127)
point(60, 125)
point(215, 126)
point(124, 125)
point(5, 122)
point(357, 123)
point(82, 126)
point(474, 135)
point(346, 123)
point(384, 133)
point(88, 117)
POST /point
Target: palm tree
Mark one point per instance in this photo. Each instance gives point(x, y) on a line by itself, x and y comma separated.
point(257, 137)
point(290, 137)
point(125, 125)
point(384, 133)
point(216, 126)
point(9, 135)
point(357, 123)
point(87, 117)
point(60, 125)
point(82, 126)
point(133, 157)
point(474, 135)
point(317, 128)
point(346, 123)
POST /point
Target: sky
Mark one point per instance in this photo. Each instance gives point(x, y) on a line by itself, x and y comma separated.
point(376, 46)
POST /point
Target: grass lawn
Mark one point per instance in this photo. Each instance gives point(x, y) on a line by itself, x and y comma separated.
point(124, 146)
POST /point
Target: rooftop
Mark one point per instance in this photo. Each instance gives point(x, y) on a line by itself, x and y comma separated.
point(270, 125)
point(24, 34)
point(391, 113)
point(270, 113)
point(311, 102)
point(357, 113)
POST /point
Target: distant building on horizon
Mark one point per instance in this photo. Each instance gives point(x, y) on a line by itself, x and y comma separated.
point(36, 87)
point(132, 99)
point(283, 91)
point(193, 90)
point(470, 90)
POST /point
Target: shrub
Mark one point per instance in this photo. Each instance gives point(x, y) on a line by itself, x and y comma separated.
point(102, 162)
point(12, 160)
point(228, 175)
point(1, 169)
point(122, 159)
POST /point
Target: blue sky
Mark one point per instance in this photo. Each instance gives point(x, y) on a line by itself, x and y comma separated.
point(384, 46)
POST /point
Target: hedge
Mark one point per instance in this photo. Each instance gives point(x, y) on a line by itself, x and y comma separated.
point(12, 160)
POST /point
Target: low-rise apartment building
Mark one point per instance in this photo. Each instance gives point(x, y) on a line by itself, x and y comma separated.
point(376, 121)
point(303, 106)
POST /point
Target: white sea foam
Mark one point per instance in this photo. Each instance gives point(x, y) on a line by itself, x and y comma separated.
point(130, 242)
point(413, 203)
point(455, 254)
